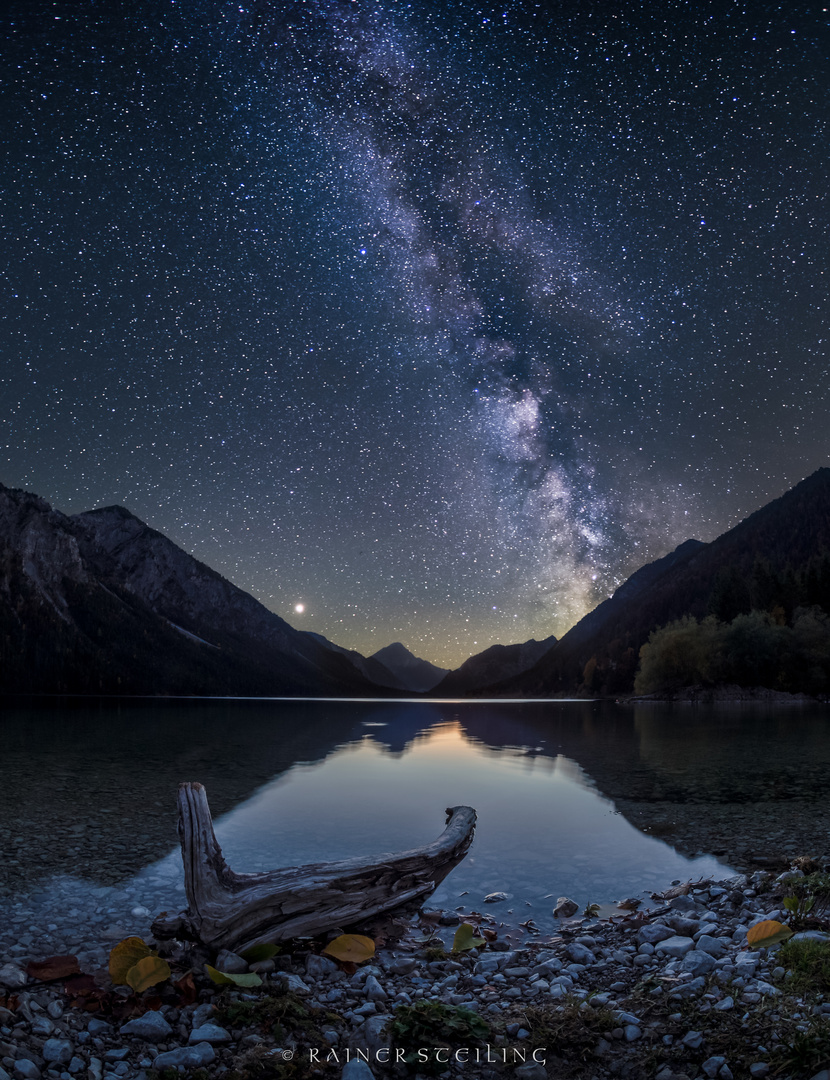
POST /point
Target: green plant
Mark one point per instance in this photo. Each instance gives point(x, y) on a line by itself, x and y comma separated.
point(570, 1030)
point(426, 1028)
point(806, 1053)
point(799, 907)
point(809, 962)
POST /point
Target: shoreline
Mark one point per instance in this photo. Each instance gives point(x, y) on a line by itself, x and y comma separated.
point(669, 993)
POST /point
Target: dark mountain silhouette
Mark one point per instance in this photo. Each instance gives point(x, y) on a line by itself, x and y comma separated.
point(369, 666)
point(102, 603)
point(775, 560)
point(414, 674)
point(492, 665)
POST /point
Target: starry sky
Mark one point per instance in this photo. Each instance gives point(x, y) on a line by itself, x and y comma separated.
point(437, 319)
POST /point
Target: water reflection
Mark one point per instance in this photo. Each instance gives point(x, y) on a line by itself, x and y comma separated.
point(565, 791)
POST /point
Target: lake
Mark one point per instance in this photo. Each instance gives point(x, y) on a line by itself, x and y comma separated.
point(593, 800)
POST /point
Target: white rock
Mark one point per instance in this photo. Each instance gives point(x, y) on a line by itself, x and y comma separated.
point(675, 946)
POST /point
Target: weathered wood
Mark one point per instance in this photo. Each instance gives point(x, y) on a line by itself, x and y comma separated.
point(234, 911)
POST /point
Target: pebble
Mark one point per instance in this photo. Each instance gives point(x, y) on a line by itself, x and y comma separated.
point(151, 1026)
point(191, 1057)
point(209, 1033)
point(591, 960)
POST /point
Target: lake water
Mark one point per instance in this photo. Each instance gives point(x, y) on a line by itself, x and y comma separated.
point(591, 800)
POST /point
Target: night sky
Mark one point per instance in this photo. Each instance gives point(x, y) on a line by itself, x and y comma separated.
point(437, 319)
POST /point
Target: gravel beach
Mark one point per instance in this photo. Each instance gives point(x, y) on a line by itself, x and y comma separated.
point(673, 992)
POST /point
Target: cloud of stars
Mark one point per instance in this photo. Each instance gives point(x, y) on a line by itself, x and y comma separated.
point(421, 323)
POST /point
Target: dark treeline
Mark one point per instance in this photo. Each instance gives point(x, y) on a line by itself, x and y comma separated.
point(755, 649)
point(760, 627)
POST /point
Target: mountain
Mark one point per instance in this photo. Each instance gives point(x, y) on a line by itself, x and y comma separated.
point(415, 675)
point(492, 665)
point(776, 559)
point(369, 666)
point(102, 603)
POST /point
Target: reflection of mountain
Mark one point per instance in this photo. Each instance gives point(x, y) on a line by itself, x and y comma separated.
point(92, 789)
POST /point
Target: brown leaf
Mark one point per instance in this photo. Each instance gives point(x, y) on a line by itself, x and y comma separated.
point(80, 985)
point(186, 987)
point(9, 1001)
point(490, 935)
point(53, 967)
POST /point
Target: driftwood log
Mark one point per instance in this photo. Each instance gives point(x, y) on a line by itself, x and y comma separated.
point(234, 911)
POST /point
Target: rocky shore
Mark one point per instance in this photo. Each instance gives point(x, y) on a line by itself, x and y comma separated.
point(669, 993)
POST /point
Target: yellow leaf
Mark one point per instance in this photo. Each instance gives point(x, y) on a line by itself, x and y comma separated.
point(766, 933)
point(125, 956)
point(465, 939)
point(148, 972)
point(351, 947)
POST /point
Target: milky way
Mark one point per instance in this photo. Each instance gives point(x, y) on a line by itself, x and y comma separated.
point(422, 322)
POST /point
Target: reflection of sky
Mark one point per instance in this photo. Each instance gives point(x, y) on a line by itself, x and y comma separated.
point(542, 827)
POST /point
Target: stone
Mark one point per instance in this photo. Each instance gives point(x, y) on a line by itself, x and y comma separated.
point(230, 963)
point(565, 908)
point(151, 1026)
point(532, 1071)
point(209, 1033)
point(76, 1065)
point(12, 977)
point(632, 1033)
point(201, 1014)
point(98, 1027)
point(651, 933)
point(116, 1054)
point(675, 946)
point(356, 1070)
point(495, 897)
point(190, 1057)
point(292, 983)
point(725, 1005)
point(580, 954)
point(683, 903)
point(58, 1051)
point(693, 1040)
point(758, 1069)
point(405, 966)
point(319, 967)
point(713, 1065)
point(26, 1070)
point(712, 945)
point(373, 1033)
point(373, 990)
point(699, 963)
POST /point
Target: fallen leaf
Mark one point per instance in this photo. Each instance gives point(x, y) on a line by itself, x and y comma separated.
point(766, 933)
point(259, 952)
point(53, 967)
point(149, 971)
point(81, 984)
point(186, 987)
point(125, 956)
point(351, 947)
point(465, 940)
point(226, 978)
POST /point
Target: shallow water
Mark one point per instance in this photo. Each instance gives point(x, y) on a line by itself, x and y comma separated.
point(87, 797)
